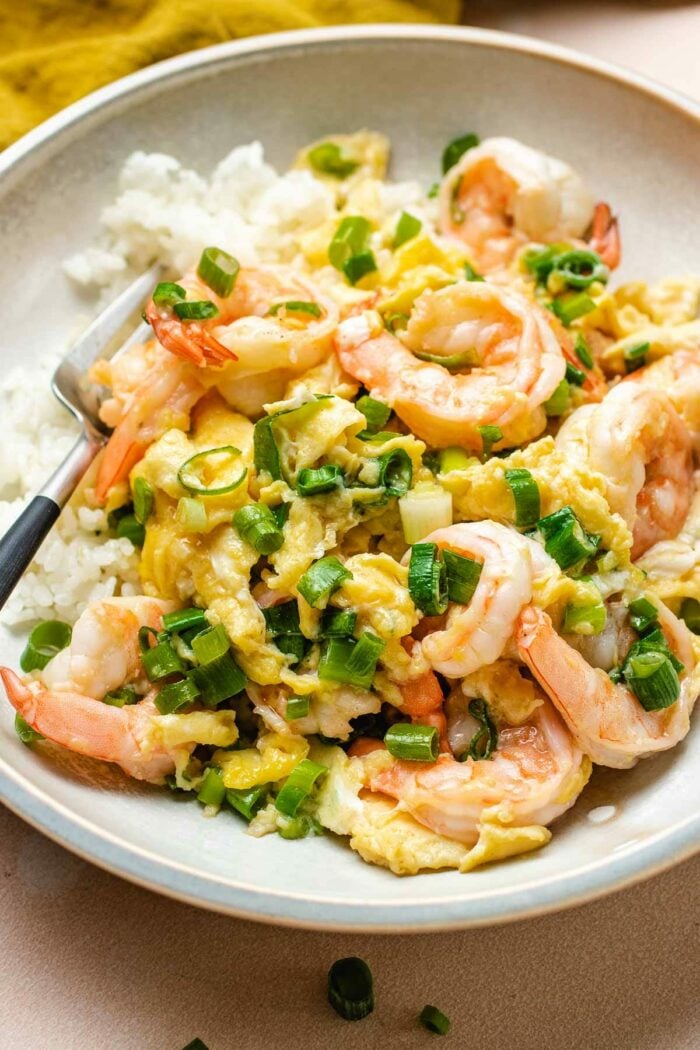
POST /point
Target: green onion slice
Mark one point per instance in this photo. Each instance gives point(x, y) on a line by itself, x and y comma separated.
point(585, 619)
point(412, 742)
point(463, 576)
point(185, 620)
point(313, 481)
point(44, 641)
point(395, 472)
point(298, 786)
point(427, 579)
point(321, 579)
point(358, 266)
point(574, 375)
point(569, 308)
point(643, 614)
point(128, 528)
point(247, 801)
point(471, 274)
point(485, 741)
point(191, 514)
point(296, 306)
point(296, 707)
point(539, 262)
point(211, 644)
point(653, 680)
point(526, 496)
point(434, 1020)
point(219, 680)
point(395, 320)
point(654, 641)
point(565, 538)
point(259, 527)
point(690, 614)
point(161, 660)
point(349, 662)
point(212, 790)
point(125, 696)
point(143, 500)
point(456, 149)
point(582, 351)
point(490, 435)
point(580, 267)
point(349, 239)
point(196, 310)
point(350, 988)
point(337, 623)
point(24, 731)
point(176, 695)
point(282, 619)
point(452, 362)
point(375, 412)
point(453, 458)
point(218, 270)
point(167, 293)
point(330, 159)
point(407, 228)
point(212, 472)
point(558, 402)
point(636, 357)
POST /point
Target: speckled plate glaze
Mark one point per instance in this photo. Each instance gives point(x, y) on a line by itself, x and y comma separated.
point(638, 146)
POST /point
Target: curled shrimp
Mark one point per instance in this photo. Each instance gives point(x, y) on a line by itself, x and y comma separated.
point(476, 634)
point(635, 438)
point(151, 392)
point(678, 375)
point(253, 331)
point(605, 235)
point(516, 357)
point(531, 778)
point(607, 720)
point(502, 194)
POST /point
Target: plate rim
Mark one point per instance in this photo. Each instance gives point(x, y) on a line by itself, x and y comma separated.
point(653, 855)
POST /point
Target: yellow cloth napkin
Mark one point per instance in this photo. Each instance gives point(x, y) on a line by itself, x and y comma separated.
point(54, 51)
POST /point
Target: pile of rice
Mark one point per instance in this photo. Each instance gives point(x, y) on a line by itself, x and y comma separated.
point(171, 213)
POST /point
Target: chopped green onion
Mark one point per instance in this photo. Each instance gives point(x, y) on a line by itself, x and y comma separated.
point(128, 528)
point(247, 801)
point(653, 680)
point(539, 261)
point(337, 623)
point(454, 458)
point(427, 579)
point(565, 538)
point(654, 641)
point(298, 786)
point(636, 357)
point(292, 645)
point(690, 614)
point(350, 239)
point(395, 320)
point(44, 641)
point(643, 614)
point(280, 513)
point(558, 402)
point(196, 310)
point(463, 576)
point(167, 293)
point(432, 190)
point(485, 741)
point(210, 644)
point(456, 149)
point(407, 228)
point(490, 435)
point(423, 510)
point(176, 695)
point(125, 696)
point(570, 308)
point(395, 472)
point(313, 481)
point(574, 375)
point(218, 270)
point(412, 742)
point(143, 500)
point(161, 660)
point(258, 526)
point(375, 412)
point(434, 1020)
point(25, 732)
point(580, 267)
point(358, 266)
point(615, 675)
point(526, 496)
point(330, 159)
point(470, 273)
point(191, 514)
point(296, 707)
point(296, 307)
point(219, 680)
point(452, 362)
point(349, 662)
point(298, 827)
point(350, 988)
point(185, 620)
point(321, 579)
point(213, 790)
point(282, 619)
point(585, 619)
point(582, 351)
point(194, 474)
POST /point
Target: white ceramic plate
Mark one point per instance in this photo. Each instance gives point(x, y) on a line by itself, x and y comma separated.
point(637, 145)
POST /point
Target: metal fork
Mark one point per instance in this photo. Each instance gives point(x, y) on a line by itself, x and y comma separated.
point(22, 540)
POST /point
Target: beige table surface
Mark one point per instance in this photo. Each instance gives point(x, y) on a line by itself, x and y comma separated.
point(89, 962)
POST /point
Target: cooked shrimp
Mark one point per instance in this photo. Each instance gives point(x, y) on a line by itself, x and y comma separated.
point(151, 392)
point(605, 235)
point(606, 720)
point(531, 778)
point(423, 700)
point(518, 363)
point(477, 634)
point(678, 375)
point(503, 194)
point(245, 335)
point(635, 438)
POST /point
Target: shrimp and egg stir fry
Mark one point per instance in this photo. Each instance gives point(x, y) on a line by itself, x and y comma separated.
point(406, 509)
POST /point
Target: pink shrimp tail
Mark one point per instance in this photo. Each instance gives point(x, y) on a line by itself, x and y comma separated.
point(605, 237)
point(190, 340)
point(21, 698)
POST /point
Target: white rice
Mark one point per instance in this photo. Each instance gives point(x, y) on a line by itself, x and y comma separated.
point(163, 211)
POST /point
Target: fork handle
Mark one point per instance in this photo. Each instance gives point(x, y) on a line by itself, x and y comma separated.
point(24, 537)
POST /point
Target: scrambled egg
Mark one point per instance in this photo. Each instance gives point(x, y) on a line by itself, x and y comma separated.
point(273, 758)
